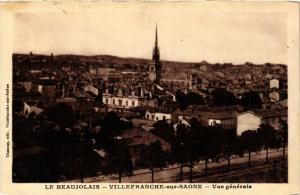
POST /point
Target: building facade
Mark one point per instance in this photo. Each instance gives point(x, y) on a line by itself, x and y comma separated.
point(251, 120)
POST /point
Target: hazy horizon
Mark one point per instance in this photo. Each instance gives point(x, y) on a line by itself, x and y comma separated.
point(140, 58)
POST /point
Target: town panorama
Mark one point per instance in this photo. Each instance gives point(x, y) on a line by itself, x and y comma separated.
point(109, 119)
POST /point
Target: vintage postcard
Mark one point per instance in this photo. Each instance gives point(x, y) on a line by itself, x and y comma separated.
point(149, 97)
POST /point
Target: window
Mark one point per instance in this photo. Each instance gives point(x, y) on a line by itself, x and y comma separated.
point(106, 101)
point(164, 117)
point(126, 103)
point(114, 102)
point(156, 118)
point(152, 117)
point(133, 103)
point(120, 102)
point(148, 116)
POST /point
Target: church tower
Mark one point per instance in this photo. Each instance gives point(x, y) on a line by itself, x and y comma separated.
point(155, 65)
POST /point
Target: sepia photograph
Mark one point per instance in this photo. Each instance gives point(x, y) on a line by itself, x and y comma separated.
point(150, 95)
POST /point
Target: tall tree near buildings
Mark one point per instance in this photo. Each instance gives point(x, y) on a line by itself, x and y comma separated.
point(249, 141)
point(62, 114)
point(119, 159)
point(197, 143)
point(179, 147)
point(207, 143)
point(164, 130)
point(283, 133)
point(266, 135)
point(222, 97)
point(229, 143)
point(181, 99)
point(251, 99)
point(111, 127)
point(191, 154)
point(154, 157)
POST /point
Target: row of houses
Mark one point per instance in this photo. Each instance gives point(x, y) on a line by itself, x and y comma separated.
point(230, 119)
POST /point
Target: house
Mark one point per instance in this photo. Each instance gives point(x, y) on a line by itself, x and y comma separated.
point(251, 120)
point(124, 97)
point(121, 101)
point(274, 96)
point(105, 71)
point(181, 80)
point(208, 116)
point(283, 103)
point(158, 115)
point(274, 83)
point(224, 119)
point(137, 138)
point(92, 89)
point(71, 101)
point(181, 121)
point(31, 107)
point(93, 71)
point(47, 87)
point(27, 85)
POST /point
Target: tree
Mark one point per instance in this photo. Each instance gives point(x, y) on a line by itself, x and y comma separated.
point(209, 144)
point(186, 146)
point(111, 124)
point(251, 99)
point(154, 157)
point(249, 142)
point(111, 127)
point(229, 143)
point(179, 147)
point(62, 114)
point(181, 99)
point(193, 98)
point(119, 159)
point(164, 130)
point(222, 97)
point(283, 133)
point(196, 144)
point(266, 135)
point(191, 153)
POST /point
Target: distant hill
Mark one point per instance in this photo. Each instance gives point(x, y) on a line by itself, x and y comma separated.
point(168, 67)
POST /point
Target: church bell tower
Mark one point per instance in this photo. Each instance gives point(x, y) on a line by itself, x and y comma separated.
point(155, 65)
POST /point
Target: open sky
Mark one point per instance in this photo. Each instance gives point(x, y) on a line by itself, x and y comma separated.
point(186, 33)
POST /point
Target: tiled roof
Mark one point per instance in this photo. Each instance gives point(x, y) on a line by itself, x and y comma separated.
point(268, 113)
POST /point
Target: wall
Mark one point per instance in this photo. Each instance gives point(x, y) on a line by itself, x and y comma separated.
point(247, 121)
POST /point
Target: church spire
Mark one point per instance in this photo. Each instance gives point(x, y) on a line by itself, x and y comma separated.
point(156, 44)
point(155, 56)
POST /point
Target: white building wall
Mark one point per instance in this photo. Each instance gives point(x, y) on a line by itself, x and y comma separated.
point(157, 116)
point(40, 88)
point(274, 96)
point(162, 116)
point(125, 102)
point(92, 89)
point(274, 83)
point(29, 109)
point(213, 122)
point(247, 121)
